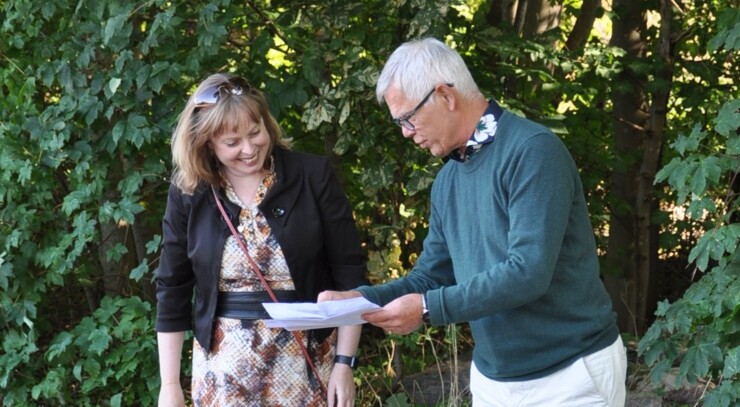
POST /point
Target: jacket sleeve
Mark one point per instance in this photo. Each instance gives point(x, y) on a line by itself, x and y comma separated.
point(344, 254)
point(174, 277)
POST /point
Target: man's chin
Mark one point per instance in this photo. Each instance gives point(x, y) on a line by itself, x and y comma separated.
point(438, 153)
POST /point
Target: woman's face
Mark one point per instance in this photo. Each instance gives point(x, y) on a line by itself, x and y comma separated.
point(243, 150)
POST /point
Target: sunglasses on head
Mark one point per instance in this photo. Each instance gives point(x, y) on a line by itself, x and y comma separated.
point(209, 96)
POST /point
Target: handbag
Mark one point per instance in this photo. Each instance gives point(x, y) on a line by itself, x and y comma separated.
point(253, 265)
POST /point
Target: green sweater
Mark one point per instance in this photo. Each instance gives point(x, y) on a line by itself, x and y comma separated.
point(511, 250)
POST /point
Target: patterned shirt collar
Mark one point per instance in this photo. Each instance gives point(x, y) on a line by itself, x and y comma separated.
point(484, 132)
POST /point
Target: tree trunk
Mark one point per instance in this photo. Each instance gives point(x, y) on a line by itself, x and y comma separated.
point(582, 28)
point(647, 249)
point(501, 13)
point(624, 265)
point(540, 16)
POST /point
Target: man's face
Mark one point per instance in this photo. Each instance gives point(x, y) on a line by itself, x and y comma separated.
point(430, 129)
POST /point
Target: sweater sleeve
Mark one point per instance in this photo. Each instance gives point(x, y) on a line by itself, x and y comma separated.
point(433, 268)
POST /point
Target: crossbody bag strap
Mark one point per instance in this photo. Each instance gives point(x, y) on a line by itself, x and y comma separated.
point(257, 271)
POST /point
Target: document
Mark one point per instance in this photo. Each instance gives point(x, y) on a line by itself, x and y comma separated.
point(295, 316)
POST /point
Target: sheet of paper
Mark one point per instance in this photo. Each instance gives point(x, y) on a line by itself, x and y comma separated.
point(295, 316)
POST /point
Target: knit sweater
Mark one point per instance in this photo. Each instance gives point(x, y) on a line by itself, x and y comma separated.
point(511, 251)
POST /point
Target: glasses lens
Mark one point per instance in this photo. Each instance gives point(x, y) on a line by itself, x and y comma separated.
point(404, 123)
point(208, 96)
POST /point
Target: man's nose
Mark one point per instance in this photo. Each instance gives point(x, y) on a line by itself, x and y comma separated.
point(406, 132)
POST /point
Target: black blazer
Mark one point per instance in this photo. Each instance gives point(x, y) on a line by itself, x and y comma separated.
point(307, 211)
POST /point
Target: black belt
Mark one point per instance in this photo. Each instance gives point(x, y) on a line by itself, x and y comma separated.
point(248, 305)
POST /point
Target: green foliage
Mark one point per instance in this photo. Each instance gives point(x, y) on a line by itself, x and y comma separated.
point(102, 360)
point(700, 333)
point(89, 93)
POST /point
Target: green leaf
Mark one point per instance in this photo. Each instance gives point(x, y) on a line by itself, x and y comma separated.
point(113, 25)
point(113, 85)
point(139, 272)
point(115, 401)
point(99, 340)
point(732, 363)
point(662, 309)
point(6, 271)
point(77, 372)
point(59, 345)
point(152, 246)
point(728, 119)
point(73, 201)
point(665, 172)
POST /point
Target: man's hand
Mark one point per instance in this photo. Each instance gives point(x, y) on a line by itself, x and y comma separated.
point(400, 316)
point(337, 295)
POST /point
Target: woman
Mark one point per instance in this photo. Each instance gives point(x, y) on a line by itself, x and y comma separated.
point(291, 213)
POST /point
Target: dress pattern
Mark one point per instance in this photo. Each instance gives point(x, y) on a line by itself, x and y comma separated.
point(250, 364)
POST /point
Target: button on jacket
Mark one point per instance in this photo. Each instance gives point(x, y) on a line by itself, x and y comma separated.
point(307, 211)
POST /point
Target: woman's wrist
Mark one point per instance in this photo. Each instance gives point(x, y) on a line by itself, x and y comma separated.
point(169, 383)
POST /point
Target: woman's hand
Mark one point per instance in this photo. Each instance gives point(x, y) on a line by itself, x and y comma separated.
point(171, 395)
point(341, 386)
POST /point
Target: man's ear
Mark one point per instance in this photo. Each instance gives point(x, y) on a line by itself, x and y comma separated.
point(448, 95)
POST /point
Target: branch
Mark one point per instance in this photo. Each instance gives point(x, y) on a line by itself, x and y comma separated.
point(267, 21)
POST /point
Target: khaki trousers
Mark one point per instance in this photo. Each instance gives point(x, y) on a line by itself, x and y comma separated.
point(596, 380)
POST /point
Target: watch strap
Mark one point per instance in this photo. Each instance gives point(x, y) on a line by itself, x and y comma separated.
point(347, 360)
point(424, 309)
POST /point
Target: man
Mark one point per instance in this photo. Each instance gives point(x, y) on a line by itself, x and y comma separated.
point(510, 248)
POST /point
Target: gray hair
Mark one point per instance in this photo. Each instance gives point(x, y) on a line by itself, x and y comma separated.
point(416, 67)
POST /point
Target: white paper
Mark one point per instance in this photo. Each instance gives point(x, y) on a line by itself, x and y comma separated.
point(295, 316)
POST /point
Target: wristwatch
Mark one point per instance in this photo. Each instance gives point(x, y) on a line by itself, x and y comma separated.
point(424, 309)
point(347, 360)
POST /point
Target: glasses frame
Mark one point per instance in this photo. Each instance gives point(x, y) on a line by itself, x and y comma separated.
point(212, 94)
point(405, 121)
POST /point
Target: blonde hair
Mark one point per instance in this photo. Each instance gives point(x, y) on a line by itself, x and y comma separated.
point(194, 162)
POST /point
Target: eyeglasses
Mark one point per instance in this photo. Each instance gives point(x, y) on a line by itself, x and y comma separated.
point(209, 96)
point(405, 120)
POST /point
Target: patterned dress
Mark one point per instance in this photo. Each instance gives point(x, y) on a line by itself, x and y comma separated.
point(250, 364)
